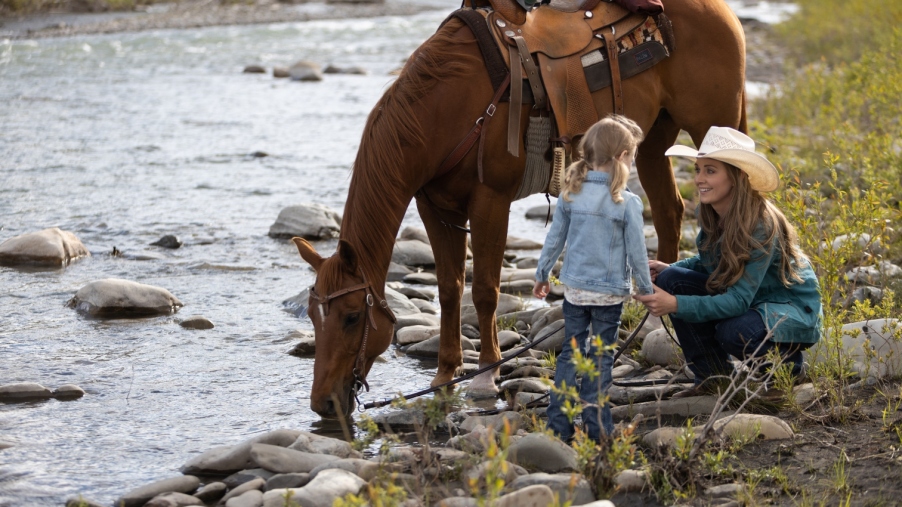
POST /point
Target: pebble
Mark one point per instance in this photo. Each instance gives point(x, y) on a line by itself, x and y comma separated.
point(305, 71)
point(254, 69)
point(196, 322)
point(68, 391)
point(168, 241)
point(114, 297)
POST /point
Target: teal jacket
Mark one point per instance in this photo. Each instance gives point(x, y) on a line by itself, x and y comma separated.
point(760, 288)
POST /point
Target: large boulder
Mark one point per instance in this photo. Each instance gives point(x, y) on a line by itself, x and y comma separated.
point(538, 451)
point(658, 348)
point(322, 491)
point(233, 458)
point(872, 348)
point(50, 247)
point(113, 297)
point(309, 221)
point(140, 496)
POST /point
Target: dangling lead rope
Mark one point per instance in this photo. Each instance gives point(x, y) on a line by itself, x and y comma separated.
point(389, 401)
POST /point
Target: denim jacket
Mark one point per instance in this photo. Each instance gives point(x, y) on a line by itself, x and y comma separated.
point(794, 313)
point(605, 241)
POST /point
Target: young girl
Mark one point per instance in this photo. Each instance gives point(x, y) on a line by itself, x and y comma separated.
point(750, 289)
point(600, 221)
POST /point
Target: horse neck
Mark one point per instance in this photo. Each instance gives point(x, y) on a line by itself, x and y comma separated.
point(370, 223)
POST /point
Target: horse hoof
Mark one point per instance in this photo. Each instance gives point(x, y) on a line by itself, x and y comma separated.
point(481, 394)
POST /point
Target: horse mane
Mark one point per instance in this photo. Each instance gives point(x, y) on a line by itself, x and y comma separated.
point(380, 175)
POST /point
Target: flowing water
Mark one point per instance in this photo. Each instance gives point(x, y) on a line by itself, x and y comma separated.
point(124, 138)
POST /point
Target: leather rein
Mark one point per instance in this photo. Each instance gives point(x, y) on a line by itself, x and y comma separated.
point(371, 298)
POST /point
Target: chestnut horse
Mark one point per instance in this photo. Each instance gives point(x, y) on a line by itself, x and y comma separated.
point(442, 90)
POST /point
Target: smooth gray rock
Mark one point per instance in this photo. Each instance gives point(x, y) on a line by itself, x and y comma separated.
point(526, 385)
point(414, 293)
point(631, 481)
point(287, 481)
point(400, 304)
point(508, 339)
point(413, 253)
point(362, 468)
point(556, 337)
point(658, 348)
point(569, 487)
point(514, 419)
point(49, 247)
point(319, 492)
point(416, 334)
point(626, 395)
point(280, 72)
point(538, 451)
point(196, 322)
point(68, 391)
point(401, 420)
point(253, 498)
point(421, 278)
point(282, 460)
point(233, 458)
point(251, 485)
point(305, 71)
point(529, 372)
point(23, 390)
point(873, 347)
point(6, 444)
point(542, 212)
point(397, 272)
point(430, 347)
point(417, 319)
point(537, 495)
point(458, 501)
point(309, 221)
point(113, 297)
point(685, 407)
point(748, 426)
point(173, 499)
point(319, 444)
point(515, 243)
point(211, 492)
point(139, 496)
point(254, 69)
point(425, 306)
point(306, 343)
point(416, 233)
point(722, 490)
point(354, 70)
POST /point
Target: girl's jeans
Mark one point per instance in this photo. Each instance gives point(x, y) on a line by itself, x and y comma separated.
point(605, 321)
point(707, 345)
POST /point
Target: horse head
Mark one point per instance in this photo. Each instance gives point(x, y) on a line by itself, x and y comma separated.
point(352, 325)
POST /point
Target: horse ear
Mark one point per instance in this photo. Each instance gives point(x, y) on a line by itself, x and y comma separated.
point(308, 253)
point(347, 255)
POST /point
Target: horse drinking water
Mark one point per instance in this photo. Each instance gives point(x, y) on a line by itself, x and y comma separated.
point(422, 118)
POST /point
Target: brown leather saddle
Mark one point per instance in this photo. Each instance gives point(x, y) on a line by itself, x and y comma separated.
point(555, 45)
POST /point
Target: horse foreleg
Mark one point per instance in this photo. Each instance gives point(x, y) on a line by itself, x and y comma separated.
point(489, 213)
point(449, 245)
point(657, 180)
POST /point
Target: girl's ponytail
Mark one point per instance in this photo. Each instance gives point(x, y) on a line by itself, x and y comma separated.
point(573, 178)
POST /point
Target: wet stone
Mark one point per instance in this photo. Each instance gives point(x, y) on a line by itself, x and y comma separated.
point(254, 69)
point(168, 241)
point(196, 322)
point(68, 391)
point(243, 477)
point(306, 343)
point(23, 391)
point(287, 481)
point(139, 496)
point(211, 492)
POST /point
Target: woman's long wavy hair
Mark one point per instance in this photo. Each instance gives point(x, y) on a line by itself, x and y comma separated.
point(735, 233)
point(603, 143)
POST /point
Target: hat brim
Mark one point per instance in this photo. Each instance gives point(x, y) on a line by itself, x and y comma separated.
point(763, 175)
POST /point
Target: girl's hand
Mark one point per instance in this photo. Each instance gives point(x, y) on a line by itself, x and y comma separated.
point(660, 303)
point(540, 289)
point(655, 267)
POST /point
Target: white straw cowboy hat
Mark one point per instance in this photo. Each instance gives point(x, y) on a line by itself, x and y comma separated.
point(735, 148)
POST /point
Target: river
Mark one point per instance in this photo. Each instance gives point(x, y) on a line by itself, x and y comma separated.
point(124, 138)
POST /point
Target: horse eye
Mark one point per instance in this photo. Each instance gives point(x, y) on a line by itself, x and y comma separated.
point(351, 319)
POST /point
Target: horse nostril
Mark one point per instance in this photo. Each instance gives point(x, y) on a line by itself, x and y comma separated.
point(329, 408)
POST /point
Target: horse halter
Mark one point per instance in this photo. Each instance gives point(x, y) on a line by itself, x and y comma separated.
point(360, 362)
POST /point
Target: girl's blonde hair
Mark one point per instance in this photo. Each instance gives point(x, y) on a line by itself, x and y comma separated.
point(734, 232)
point(603, 143)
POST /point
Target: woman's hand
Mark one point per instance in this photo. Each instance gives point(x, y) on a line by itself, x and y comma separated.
point(660, 303)
point(655, 267)
point(540, 289)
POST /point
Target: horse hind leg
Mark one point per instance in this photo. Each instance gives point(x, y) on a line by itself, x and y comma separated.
point(656, 176)
point(449, 245)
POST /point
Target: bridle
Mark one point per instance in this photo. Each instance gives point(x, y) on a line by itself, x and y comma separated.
point(360, 362)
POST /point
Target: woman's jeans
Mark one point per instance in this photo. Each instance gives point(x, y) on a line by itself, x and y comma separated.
point(605, 321)
point(707, 345)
